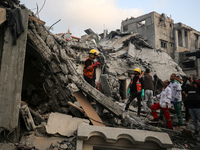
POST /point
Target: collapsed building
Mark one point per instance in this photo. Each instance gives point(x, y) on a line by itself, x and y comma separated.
point(176, 39)
point(41, 78)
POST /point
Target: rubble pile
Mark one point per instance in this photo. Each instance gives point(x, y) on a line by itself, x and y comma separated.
point(53, 76)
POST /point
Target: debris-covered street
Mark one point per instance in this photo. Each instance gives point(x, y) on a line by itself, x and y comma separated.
point(114, 90)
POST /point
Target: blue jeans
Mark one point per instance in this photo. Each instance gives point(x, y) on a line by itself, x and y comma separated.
point(195, 114)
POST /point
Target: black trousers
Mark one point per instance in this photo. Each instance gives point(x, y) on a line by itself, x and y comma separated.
point(132, 96)
point(92, 83)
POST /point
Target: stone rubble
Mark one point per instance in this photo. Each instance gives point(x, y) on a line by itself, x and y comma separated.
point(58, 63)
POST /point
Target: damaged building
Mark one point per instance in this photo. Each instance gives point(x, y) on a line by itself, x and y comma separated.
point(176, 39)
point(43, 96)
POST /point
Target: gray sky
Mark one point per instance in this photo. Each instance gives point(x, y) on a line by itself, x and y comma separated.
point(98, 15)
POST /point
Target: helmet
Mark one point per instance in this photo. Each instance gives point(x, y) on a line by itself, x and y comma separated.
point(94, 51)
point(137, 70)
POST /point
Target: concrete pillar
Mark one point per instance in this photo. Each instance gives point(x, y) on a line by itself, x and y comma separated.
point(183, 37)
point(11, 76)
point(176, 51)
point(176, 40)
point(198, 67)
point(187, 40)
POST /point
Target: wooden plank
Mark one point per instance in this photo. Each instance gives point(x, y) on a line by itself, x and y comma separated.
point(73, 105)
point(11, 76)
point(37, 20)
point(89, 110)
point(2, 15)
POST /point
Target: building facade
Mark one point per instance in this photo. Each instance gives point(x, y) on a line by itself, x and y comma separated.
point(163, 34)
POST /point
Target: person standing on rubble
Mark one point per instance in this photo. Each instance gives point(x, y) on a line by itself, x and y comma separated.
point(89, 73)
point(89, 70)
point(136, 89)
point(193, 102)
point(148, 90)
point(186, 81)
point(164, 104)
point(176, 97)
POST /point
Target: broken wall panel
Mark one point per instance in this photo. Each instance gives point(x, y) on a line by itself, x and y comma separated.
point(11, 75)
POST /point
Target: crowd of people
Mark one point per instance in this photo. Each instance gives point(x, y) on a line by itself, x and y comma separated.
point(174, 93)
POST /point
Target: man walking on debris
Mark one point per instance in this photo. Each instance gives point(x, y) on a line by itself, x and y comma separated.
point(176, 97)
point(89, 70)
point(164, 104)
point(136, 89)
point(148, 90)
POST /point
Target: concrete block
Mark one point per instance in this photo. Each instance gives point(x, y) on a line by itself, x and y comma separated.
point(131, 50)
point(63, 124)
point(105, 85)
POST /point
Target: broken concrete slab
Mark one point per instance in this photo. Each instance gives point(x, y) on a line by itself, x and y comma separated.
point(41, 142)
point(8, 146)
point(105, 85)
point(131, 50)
point(62, 124)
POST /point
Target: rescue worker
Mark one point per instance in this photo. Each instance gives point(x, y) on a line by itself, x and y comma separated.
point(89, 70)
point(136, 89)
point(148, 90)
point(164, 104)
point(176, 97)
point(193, 102)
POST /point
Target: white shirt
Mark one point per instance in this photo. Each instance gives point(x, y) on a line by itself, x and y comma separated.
point(176, 90)
point(165, 96)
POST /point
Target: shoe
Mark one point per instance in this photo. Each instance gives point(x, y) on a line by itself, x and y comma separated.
point(155, 119)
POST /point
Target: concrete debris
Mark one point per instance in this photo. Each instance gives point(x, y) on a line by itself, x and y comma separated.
point(52, 84)
point(30, 125)
point(46, 143)
point(64, 125)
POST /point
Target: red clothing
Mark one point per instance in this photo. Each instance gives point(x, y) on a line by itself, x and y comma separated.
point(89, 73)
point(165, 112)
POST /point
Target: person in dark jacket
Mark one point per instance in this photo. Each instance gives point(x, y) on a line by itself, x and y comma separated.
point(148, 90)
point(184, 88)
point(193, 102)
point(136, 89)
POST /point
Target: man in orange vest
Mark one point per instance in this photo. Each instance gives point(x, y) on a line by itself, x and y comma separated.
point(89, 70)
point(136, 89)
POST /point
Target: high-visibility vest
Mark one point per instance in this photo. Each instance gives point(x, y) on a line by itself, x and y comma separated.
point(88, 73)
point(138, 85)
